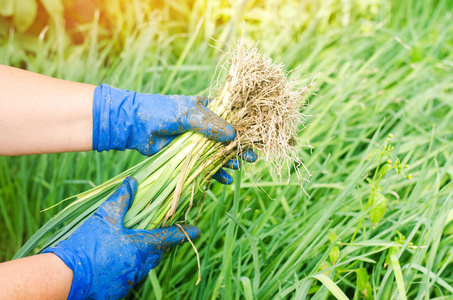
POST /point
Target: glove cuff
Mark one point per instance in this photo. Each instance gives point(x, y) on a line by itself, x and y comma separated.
point(112, 121)
point(81, 282)
point(96, 116)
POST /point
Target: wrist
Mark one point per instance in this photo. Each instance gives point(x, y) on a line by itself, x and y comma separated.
point(43, 276)
point(97, 96)
point(65, 274)
point(112, 118)
point(80, 269)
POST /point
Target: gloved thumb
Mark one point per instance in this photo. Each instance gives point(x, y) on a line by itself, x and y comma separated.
point(168, 237)
point(206, 122)
point(116, 206)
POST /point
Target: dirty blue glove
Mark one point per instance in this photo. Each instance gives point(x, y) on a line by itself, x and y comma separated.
point(109, 259)
point(146, 122)
point(223, 177)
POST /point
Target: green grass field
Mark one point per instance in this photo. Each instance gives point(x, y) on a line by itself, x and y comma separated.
point(379, 67)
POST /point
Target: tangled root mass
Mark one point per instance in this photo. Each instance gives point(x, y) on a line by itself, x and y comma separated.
point(264, 106)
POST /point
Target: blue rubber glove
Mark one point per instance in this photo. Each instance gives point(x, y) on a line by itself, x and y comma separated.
point(109, 259)
point(223, 177)
point(147, 123)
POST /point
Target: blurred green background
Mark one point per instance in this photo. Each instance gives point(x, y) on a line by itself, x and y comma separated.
point(380, 67)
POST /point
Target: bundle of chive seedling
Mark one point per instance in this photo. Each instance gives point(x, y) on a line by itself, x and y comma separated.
point(262, 102)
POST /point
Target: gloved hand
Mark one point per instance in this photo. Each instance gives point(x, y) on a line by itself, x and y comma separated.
point(109, 259)
point(145, 122)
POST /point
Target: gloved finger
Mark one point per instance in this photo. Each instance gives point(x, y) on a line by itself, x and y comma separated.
point(167, 237)
point(249, 156)
point(223, 177)
point(155, 144)
point(233, 164)
point(204, 100)
point(115, 207)
point(209, 124)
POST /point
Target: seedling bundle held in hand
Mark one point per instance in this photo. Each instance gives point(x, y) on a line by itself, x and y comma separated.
point(261, 101)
